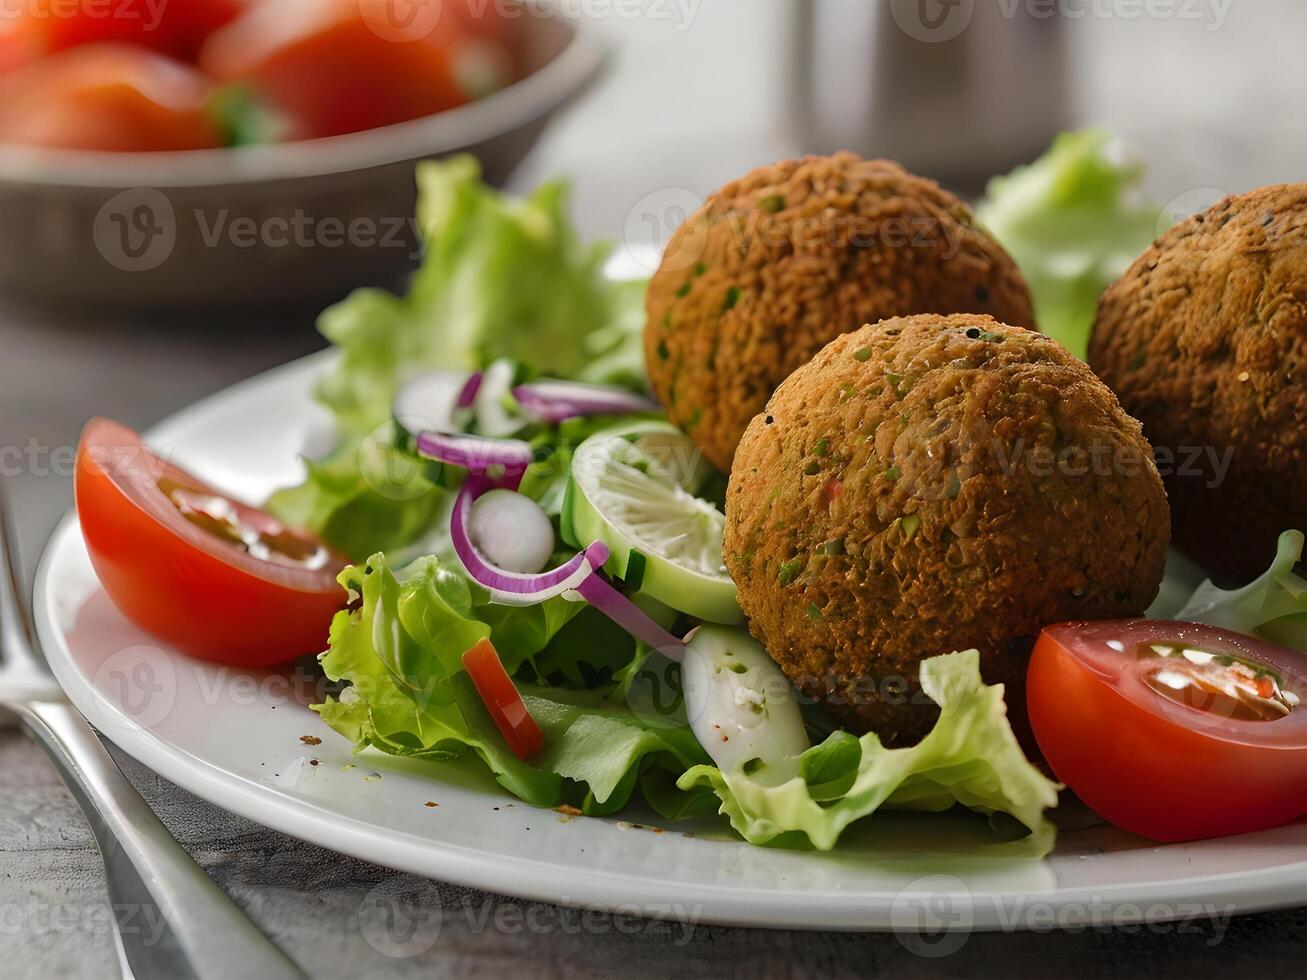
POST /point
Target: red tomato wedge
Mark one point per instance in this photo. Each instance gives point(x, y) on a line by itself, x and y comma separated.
point(1175, 731)
point(113, 97)
point(502, 700)
point(207, 574)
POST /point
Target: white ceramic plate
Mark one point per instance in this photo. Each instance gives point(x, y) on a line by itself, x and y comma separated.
point(235, 739)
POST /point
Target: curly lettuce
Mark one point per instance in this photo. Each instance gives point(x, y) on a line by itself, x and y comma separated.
point(1274, 606)
point(501, 278)
point(970, 758)
point(398, 654)
point(1074, 220)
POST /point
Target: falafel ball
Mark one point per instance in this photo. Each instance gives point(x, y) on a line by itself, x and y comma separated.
point(932, 484)
point(1205, 341)
point(785, 259)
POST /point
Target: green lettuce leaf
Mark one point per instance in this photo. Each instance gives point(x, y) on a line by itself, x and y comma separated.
point(1273, 607)
point(500, 277)
point(1074, 221)
point(616, 351)
point(398, 651)
point(366, 496)
point(970, 758)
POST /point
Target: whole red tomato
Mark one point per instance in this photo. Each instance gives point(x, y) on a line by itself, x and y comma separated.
point(116, 97)
point(36, 28)
point(341, 66)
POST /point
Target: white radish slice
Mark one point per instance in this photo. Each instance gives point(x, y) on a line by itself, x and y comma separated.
point(512, 531)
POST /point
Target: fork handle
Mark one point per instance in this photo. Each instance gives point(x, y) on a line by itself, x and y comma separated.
point(170, 919)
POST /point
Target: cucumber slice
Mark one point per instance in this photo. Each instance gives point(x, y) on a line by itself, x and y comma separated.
point(634, 489)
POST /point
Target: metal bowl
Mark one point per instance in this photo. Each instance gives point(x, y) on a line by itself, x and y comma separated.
point(288, 224)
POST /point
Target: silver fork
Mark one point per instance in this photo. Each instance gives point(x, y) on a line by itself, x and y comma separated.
point(194, 930)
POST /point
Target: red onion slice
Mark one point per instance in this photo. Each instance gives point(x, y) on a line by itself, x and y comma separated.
point(477, 454)
point(468, 395)
point(558, 401)
point(601, 594)
point(515, 588)
point(581, 575)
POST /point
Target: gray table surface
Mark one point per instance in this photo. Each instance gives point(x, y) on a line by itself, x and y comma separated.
point(701, 124)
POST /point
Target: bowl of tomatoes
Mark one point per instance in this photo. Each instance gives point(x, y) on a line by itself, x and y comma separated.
point(232, 153)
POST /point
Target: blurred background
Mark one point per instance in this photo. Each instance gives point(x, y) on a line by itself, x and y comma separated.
point(1202, 90)
point(646, 106)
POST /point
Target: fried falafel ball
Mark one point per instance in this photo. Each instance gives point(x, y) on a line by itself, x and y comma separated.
point(1205, 341)
point(932, 484)
point(780, 262)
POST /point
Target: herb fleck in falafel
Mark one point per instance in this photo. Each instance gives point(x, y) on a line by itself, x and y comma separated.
point(789, 257)
point(932, 484)
point(1205, 341)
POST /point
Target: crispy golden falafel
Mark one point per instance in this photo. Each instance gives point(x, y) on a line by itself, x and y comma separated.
point(789, 257)
point(1205, 341)
point(932, 484)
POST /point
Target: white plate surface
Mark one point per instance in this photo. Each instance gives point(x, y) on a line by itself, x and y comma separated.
point(235, 739)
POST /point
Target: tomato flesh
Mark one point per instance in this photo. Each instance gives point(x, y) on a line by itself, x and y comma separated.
point(502, 700)
point(173, 27)
point(207, 574)
point(342, 66)
point(110, 97)
point(1174, 731)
